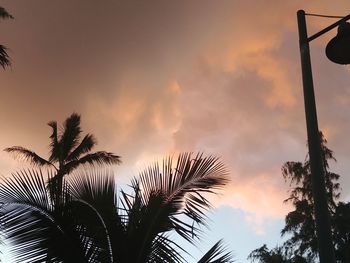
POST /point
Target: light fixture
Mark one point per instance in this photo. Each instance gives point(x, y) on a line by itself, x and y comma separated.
point(338, 49)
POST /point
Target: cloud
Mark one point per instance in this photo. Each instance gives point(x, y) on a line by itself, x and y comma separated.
point(152, 78)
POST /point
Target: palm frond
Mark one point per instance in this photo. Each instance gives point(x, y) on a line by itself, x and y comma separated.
point(165, 250)
point(4, 14)
point(145, 222)
point(146, 237)
point(22, 153)
point(183, 188)
point(96, 190)
point(85, 146)
point(160, 196)
point(93, 184)
point(88, 224)
point(25, 232)
point(27, 188)
point(98, 158)
point(217, 254)
point(38, 230)
point(70, 135)
point(4, 57)
point(54, 145)
point(24, 213)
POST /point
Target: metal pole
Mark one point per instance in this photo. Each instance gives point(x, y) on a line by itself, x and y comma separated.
point(323, 225)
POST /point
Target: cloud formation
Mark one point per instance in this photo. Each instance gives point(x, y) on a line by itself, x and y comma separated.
point(157, 77)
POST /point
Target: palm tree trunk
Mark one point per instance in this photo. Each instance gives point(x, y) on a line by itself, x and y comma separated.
point(55, 188)
point(59, 190)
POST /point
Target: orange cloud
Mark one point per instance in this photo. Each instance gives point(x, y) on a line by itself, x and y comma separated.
point(158, 77)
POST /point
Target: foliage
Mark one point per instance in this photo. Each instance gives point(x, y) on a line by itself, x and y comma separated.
point(300, 223)
point(276, 255)
point(216, 254)
point(262, 254)
point(92, 223)
point(341, 232)
point(4, 57)
point(67, 152)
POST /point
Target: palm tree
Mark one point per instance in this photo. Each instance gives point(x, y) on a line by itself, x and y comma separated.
point(36, 227)
point(4, 57)
point(97, 225)
point(67, 153)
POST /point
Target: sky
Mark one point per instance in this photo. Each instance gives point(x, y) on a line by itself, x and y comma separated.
point(159, 77)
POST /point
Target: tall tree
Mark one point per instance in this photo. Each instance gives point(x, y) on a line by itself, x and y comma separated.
point(301, 246)
point(67, 152)
point(300, 223)
point(94, 224)
point(4, 57)
point(275, 255)
point(341, 232)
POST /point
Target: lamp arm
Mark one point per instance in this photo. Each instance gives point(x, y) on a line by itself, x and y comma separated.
point(328, 28)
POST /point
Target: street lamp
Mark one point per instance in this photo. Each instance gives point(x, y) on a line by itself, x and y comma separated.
point(338, 51)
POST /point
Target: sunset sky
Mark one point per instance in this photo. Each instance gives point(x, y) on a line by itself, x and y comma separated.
point(157, 77)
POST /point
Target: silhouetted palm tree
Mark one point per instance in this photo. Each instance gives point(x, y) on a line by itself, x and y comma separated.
point(94, 225)
point(4, 57)
point(67, 151)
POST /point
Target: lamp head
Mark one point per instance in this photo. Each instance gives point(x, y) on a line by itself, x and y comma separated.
point(338, 49)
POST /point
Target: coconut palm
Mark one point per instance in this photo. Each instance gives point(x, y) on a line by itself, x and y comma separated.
point(37, 230)
point(97, 225)
point(67, 151)
point(4, 57)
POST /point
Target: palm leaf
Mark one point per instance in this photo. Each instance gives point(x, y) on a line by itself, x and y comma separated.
point(4, 57)
point(88, 224)
point(27, 188)
point(35, 228)
point(70, 135)
point(27, 155)
point(54, 145)
point(85, 146)
point(146, 238)
point(96, 190)
point(161, 196)
point(4, 14)
point(183, 188)
point(217, 254)
point(146, 221)
point(165, 250)
point(98, 158)
point(25, 213)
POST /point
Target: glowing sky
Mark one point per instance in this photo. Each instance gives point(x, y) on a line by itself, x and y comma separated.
point(151, 78)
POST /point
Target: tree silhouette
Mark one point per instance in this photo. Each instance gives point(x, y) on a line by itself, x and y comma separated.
point(67, 151)
point(300, 223)
point(301, 246)
point(341, 232)
point(4, 57)
point(276, 255)
point(95, 224)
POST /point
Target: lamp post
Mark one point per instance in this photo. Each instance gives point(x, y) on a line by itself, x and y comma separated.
point(323, 225)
